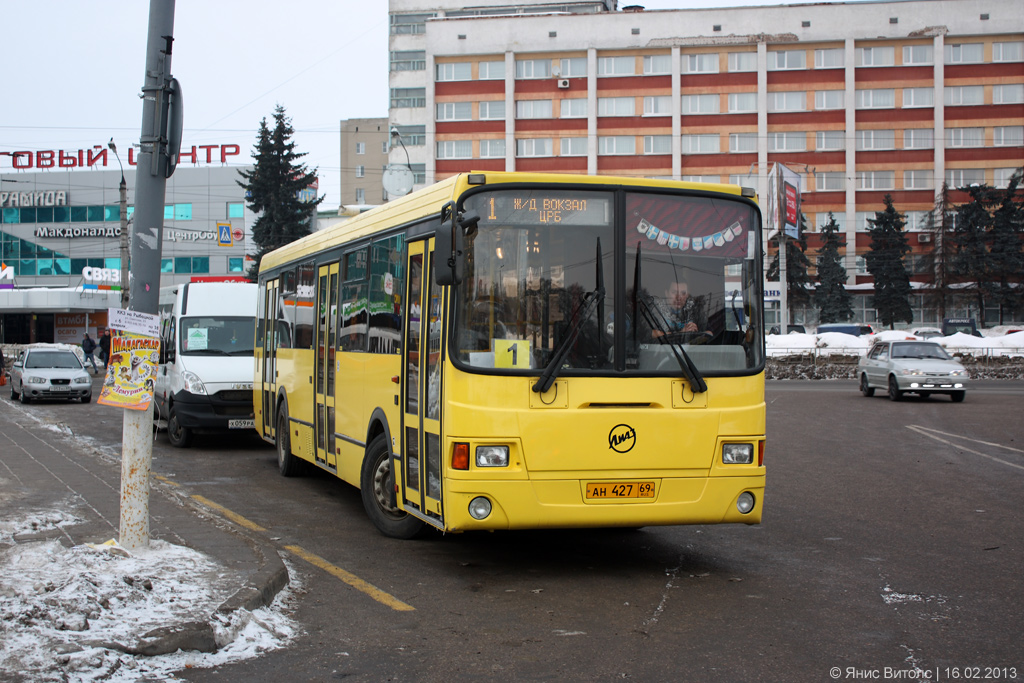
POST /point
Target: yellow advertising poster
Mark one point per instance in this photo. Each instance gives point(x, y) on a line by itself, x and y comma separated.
point(131, 371)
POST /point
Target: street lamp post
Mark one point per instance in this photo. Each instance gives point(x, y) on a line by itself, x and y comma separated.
point(124, 228)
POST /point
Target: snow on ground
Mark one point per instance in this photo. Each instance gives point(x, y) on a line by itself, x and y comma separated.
point(830, 343)
point(69, 614)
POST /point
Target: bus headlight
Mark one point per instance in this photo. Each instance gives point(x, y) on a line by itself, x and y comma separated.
point(479, 508)
point(737, 454)
point(492, 456)
point(745, 503)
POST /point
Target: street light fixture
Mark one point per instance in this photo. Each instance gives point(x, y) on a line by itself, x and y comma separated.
point(124, 228)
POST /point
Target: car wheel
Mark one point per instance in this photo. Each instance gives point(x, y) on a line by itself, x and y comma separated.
point(376, 486)
point(894, 389)
point(287, 463)
point(865, 388)
point(924, 395)
point(14, 394)
point(87, 398)
point(180, 437)
point(24, 397)
point(957, 396)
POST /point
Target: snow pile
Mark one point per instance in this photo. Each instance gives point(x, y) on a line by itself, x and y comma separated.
point(77, 614)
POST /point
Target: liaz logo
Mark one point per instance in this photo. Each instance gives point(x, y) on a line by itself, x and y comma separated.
point(6, 272)
point(622, 438)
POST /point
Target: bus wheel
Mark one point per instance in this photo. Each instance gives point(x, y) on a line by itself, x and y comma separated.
point(180, 437)
point(288, 464)
point(377, 485)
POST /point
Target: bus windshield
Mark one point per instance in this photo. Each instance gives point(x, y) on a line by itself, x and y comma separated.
point(599, 282)
point(217, 336)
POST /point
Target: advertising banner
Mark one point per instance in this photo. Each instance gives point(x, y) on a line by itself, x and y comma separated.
point(133, 362)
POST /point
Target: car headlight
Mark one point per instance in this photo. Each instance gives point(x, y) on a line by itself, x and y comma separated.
point(192, 384)
point(36, 380)
point(81, 380)
point(911, 372)
point(958, 373)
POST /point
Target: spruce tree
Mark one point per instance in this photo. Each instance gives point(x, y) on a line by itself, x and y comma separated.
point(970, 259)
point(834, 303)
point(273, 189)
point(885, 263)
point(798, 280)
point(1006, 257)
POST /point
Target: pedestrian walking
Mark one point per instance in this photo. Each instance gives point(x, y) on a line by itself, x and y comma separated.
point(105, 348)
point(88, 347)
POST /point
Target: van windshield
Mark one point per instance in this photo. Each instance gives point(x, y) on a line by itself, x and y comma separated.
point(220, 336)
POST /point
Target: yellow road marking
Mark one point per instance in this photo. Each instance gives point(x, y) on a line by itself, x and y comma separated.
point(165, 480)
point(931, 434)
point(351, 579)
point(233, 516)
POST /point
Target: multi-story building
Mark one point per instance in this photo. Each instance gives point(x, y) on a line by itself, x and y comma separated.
point(863, 99)
point(364, 156)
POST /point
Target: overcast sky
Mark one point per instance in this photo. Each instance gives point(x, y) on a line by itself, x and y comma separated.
point(73, 69)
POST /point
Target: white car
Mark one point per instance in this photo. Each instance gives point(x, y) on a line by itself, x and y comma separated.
point(50, 373)
point(920, 367)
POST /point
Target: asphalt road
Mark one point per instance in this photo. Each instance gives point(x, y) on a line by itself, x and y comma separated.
point(891, 546)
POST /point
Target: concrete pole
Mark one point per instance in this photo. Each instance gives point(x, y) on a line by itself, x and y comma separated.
point(151, 175)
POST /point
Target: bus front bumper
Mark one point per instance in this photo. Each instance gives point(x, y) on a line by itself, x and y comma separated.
point(214, 412)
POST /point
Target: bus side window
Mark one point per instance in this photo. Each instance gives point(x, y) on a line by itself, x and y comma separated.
point(354, 301)
point(387, 282)
point(305, 299)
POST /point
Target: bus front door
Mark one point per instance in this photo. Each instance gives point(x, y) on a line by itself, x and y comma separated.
point(420, 484)
point(268, 383)
point(326, 332)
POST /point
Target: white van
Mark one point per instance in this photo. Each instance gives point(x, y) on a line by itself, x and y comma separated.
point(204, 382)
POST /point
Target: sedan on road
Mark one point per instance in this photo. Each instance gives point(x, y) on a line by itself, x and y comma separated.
point(47, 372)
point(920, 367)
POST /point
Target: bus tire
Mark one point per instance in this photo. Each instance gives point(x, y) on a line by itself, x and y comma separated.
point(180, 437)
point(287, 464)
point(376, 483)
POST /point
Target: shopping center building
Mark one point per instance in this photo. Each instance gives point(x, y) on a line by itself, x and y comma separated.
point(60, 239)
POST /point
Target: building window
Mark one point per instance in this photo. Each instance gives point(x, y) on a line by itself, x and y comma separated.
point(742, 102)
point(698, 104)
point(701, 63)
point(793, 100)
point(868, 140)
point(360, 171)
point(1008, 52)
point(454, 111)
point(616, 144)
point(616, 66)
point(876, 180)
point(657, 64)
point(742, 61)
point(1008, 94)
point(783, 60)
point(412, 136)
point(492, 109)
point(829, 99)
point(742, 142)
point(455, 149)
point(236, 210)
point(657, 144)
point(533, 109)
point(360, 195)
point(918, 138)
point(918, 220)
point(839, 217)
point(490, 149)
point(830, 58)
point(1002, 177)
point(360, 148)
point(236, 264)
point(884, 98)
point(572, 67)
point(876, 56)
point(573, 147)
point(409, 60)
point(830, 140)
point(965, 137)
point(454, 71)
point(918, 97)
point(792, 141)
point(533, 147)
point(533, 68)
point(830, 181)
point(964, 53)
point(964, 95)
point(917, 180)
point(492, 71)
point(409, 24)
point(408, 97)
point(965, 177)
point(918, 54)
point(1008, 136)
point(574, 108)
point(172, 212)
point(659, 105)
point(701, 144)
point(616, 106)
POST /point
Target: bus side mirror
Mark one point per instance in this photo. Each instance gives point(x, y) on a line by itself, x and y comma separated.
point(450, 247)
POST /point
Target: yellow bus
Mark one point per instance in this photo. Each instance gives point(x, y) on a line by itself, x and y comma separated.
point(522, 351)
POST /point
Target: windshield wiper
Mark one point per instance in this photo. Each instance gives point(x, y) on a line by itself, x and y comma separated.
point(591, 299)
point(690, 371)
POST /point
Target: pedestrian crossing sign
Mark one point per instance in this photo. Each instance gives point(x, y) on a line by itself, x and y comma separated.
point(224, 235)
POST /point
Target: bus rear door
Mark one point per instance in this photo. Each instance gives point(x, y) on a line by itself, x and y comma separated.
point(326, 330)
point(420, 484)
point(268, 383)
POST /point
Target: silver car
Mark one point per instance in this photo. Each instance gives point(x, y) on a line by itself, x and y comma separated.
point(920, 367)
point(49, 373)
